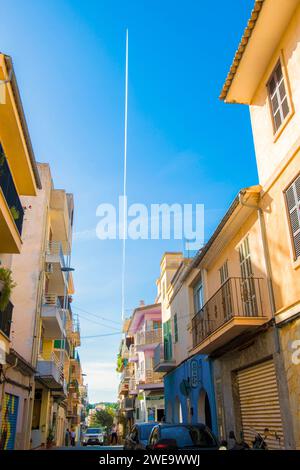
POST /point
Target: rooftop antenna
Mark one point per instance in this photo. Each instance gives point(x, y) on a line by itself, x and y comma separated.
point(125, 183)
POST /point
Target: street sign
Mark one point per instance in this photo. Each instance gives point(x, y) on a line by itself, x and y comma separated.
point(194, 367)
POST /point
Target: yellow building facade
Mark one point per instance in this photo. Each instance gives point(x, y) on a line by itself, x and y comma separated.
point(265, 76)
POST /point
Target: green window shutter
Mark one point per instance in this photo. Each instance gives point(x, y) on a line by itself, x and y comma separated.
point(167, 340)
point(175, 328)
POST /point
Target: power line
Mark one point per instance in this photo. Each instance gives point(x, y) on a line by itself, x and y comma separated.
point(95, 315)
point(99, 336)
point(96, 322)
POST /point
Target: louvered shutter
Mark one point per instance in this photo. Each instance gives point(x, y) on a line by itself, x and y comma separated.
point(259, 403)
point(293, 204)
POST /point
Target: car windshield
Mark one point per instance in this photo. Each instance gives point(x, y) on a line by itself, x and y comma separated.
point(145, 431)
point(93, 430)
point(189, 436)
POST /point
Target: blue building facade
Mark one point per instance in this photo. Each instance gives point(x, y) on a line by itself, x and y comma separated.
point(189, 393)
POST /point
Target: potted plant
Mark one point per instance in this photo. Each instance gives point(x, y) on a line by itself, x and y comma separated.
point(6, 286)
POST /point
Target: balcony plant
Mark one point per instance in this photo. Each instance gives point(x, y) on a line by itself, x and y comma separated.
point(15, 213)
point(6, 286)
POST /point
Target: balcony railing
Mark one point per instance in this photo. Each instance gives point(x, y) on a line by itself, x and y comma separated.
point(149, 337)
point(51, 372)
point(62, 344)
point(10, 193)
point(55, 251)
point(6, 319)
point(132, 385)
point(152, 377)
point(133, 355)
point(237, 297)
point(160, 364)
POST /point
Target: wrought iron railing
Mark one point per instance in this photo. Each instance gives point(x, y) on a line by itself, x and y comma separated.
point(10, 192)
point(237, 297)
point(149, 337)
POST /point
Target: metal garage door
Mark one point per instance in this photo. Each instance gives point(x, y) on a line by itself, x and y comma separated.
point(259, 403)
point(9, 422)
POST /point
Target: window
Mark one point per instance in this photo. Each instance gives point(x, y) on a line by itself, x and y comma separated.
point(224, 272)
point(175, 328)
point(278, 97)
point(293, 204)
point(167, 340)
point(198, 297)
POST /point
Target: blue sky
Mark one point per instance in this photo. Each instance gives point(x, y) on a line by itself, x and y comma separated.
point(184, 145)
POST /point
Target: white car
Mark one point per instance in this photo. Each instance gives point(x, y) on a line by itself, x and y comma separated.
point(93, 436)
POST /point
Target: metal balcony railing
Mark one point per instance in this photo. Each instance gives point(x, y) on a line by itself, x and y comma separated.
point(10, 193)
point(132, 385)
point(237, 297)
point(54, 248)
point(6, 319)
point(149, 337)
point(153, 377)
point(133, 356)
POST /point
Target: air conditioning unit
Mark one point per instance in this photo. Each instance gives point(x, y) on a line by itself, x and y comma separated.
point(49, 268)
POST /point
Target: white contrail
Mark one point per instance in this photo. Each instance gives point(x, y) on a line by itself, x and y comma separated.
point(124, 183)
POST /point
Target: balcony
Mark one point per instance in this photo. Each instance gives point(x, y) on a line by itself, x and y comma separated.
point(160, 364)
point(6, 319)
point(11, 210)
point(239, 306)
point(55, 260)
point(63, 344)
point(50, 373)
point(133, 355)
point(126, 375)
point(127, 404)
point(132, 388)
point(148, 339)
point(53, 317)
point(149, 379)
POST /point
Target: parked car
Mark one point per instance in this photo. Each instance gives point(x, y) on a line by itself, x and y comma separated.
point(138, 436)
point(93, 436)
point(182, 436)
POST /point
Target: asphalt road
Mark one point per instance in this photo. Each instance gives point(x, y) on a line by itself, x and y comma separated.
point(78, 447)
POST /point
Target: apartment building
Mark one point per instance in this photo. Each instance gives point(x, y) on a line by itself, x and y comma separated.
point(264, 371)
point(188, 384)
point(145, 386)
point(19, 179)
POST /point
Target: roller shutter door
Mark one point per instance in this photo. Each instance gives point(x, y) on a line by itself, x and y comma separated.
point(259, 402)
point(9, 422)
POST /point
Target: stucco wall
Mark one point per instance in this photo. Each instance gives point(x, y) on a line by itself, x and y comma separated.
point(173, 393)
point(269, 154)
point(288, 335)
point(26, 268)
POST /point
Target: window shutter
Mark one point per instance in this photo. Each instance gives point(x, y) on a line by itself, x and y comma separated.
point(293, 204)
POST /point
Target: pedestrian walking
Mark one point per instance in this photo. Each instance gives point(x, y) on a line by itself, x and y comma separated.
point(73, 435)
point(114, 435)
point(67, 437)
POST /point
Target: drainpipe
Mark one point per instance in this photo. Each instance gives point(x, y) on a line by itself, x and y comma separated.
point(262, 225)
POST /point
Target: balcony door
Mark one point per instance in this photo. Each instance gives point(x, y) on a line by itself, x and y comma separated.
point(225, 292)
point(247, 281)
